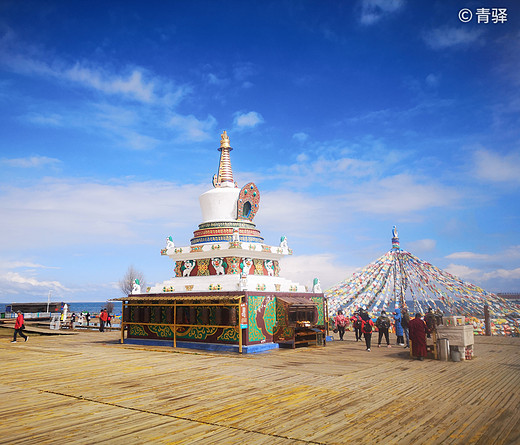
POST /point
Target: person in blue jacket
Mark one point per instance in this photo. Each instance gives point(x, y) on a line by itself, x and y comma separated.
point(399, 332)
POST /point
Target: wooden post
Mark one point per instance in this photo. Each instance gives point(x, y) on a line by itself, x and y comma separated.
point(487, 320)
point(326, 317)
point(239, 327)
point(174, 324)
point(123, 324)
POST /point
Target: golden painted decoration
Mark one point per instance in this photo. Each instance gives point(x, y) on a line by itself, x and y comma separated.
point(224, 140)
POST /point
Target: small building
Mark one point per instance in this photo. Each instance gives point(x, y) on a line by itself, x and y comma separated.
point(34, 307)
point(227, 292)
point(510, 296)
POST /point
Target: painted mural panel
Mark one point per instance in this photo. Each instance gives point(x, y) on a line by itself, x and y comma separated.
point(262, 318)
point(194, 333)
point(321, 314)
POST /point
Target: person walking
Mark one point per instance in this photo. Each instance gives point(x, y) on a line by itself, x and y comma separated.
point(19, 326)
point(340, 321)
point(87, 317)
point(357, 322)
point(431, 322)
point(366, 327)
point(383, 325)
point(418, 331)
point(405, 321)
point(102, 320)
point(399, 332)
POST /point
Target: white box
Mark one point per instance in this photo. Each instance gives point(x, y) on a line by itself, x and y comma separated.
point(457, 335)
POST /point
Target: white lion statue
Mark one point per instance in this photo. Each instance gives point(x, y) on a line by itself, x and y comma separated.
point(245, 265)
point(169, 243)
point(187, 267)
point(218, 264)
point(316, 286)
point(136, 287)
point(269, 265)
point(283, 242)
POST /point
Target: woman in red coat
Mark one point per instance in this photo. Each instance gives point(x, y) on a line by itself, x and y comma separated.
point(418, 331)
point(103, 317)
point(341, 323)
point(18, 327)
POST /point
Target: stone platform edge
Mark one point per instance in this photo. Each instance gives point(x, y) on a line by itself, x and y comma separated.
point(251, 349)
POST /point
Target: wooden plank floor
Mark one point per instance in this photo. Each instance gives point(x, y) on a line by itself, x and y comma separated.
point(87, 388)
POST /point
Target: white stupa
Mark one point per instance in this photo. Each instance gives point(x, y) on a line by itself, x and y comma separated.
point(227, 252)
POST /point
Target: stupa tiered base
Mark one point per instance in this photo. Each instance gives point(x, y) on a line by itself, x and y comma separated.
point(246, 322)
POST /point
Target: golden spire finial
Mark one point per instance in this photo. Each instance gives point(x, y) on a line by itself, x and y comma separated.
point(224, 140)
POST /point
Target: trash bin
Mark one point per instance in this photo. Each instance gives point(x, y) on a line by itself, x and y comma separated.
point(455, 355)
point(444, 349)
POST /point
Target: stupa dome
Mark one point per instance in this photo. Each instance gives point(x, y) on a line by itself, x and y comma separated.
point(219, 204)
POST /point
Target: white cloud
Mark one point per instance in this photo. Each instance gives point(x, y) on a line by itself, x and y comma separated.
point(400, 194)
point(360, 185)
point(304, 268)
point(30, 162)
point(295, 213)
point(126, 126)
point(7, 265)
point(243, 70)
point(132, 108)
point(464, 272)
point(14, 282)
point(508, 274)
point(78, 213)
point(301, 137)
point(302, 157)
point(134, 83)
point(442, 38)
point(468, 256)
point(422, 245)
point(247, 120)
point(192, 129)
point(510, 254)
point(478, 275)
point(494, 167)
point(372, 11)
point(45, 120)
point(213, 79)
point(432, 80)
point(310, 170)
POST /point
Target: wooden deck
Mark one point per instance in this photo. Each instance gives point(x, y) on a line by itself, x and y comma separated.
point(87, 388)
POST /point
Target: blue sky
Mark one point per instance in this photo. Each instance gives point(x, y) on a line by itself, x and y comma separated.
point(350, 117)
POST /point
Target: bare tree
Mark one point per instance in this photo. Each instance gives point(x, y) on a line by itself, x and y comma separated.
point(126, 283)
point(109, 306)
